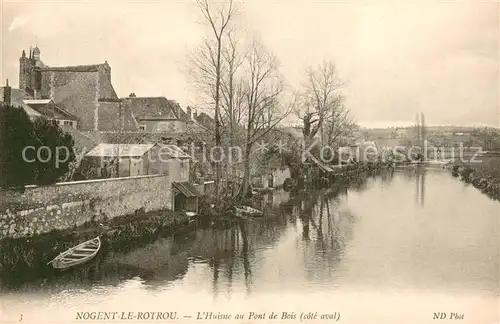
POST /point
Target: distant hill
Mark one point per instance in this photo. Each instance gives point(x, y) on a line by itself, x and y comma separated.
point(401, 131)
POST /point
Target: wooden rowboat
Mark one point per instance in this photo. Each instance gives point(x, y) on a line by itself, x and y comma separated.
point(77, 255)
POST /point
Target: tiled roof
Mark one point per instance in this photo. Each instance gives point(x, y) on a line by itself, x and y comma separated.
point(76, 68)
point(204, 120)
point(47, 108)
point(82, 142)
point(181, 114)
point(185, 188)
point(122, 150)
point(154, 108)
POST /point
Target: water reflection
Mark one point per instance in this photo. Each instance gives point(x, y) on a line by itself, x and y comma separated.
point(318, 240)
point(238, 250)
point(420, 184)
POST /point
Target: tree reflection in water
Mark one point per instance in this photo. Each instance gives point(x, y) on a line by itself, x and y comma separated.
point(233, 256)
point(326, 227)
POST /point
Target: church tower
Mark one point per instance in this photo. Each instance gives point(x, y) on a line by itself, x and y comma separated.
point(36, 53)
point(23, 63)
point(27, 69)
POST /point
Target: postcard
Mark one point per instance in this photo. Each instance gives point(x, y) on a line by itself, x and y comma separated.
point(229, 161)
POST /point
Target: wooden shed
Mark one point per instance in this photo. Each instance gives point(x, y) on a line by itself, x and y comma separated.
point(185, 197)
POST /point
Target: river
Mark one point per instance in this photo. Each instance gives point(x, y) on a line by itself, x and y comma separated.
point(391, 249)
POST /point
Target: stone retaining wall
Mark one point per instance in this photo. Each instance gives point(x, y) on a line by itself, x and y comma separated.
point(66, 205)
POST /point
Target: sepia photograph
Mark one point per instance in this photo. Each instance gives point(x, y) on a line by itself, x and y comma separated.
point(250, 161)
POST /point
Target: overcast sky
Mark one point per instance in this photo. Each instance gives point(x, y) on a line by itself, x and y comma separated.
point(397, 57)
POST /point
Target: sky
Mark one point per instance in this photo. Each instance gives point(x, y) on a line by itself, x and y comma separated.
point(396, 58)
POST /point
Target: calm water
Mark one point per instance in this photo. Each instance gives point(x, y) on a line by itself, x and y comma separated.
point(411, 242)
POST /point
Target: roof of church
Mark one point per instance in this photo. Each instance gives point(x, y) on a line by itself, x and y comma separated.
point(76, 68)
point(154, 108)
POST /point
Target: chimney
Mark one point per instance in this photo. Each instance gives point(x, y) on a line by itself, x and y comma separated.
point(188, 111)
point(6, 93)
point(195, 115)
point(132, 95)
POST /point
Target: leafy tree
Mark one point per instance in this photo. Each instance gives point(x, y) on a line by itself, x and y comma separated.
point(32, 152)
point(16, 133)
point(54, 160)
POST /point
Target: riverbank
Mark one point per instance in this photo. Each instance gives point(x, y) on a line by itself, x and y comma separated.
point(26, 258)
point(23, 259)
point(483, 176)
point(313, 245)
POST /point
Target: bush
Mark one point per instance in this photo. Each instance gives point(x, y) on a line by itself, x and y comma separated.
point(16, 132)
point(21, 140)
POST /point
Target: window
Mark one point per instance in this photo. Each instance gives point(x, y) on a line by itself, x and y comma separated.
point(68, 123)
point(142, 127)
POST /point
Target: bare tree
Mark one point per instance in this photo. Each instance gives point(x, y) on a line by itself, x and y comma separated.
point(232, 84)
point(339, 127)
point(320, 99)
point(233, 101)
point(232, 96)
point(264, 87)
point(217, 16)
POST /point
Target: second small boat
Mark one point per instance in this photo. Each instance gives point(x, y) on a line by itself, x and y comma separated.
point(248, 212)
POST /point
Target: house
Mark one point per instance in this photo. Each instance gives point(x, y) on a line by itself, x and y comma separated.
point(160, 115)
point(204, 120)
point(37, 107)
point(173, 161)
point(272, 178)
point(118, 160)
point(87, 93)
point(48, 109)
point(126, 160)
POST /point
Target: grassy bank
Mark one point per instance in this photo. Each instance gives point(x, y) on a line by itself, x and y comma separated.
point(483, 176)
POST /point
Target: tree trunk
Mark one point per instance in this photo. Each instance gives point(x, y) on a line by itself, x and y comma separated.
point(245, 184)
point(218, 171)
